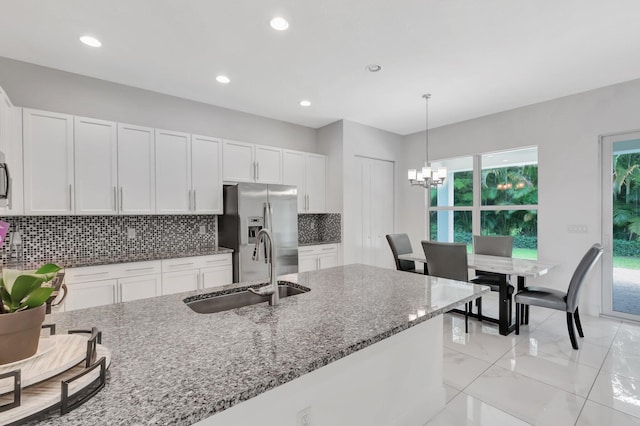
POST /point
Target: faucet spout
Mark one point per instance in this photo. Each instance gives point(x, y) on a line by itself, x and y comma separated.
point(270, 257)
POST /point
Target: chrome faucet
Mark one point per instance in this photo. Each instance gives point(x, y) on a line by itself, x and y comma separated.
point(270, 258)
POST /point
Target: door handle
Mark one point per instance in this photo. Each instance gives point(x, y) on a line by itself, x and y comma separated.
point(257, 171)
point(189, 202)
point(115, 199)
point(121, 200)
point(10, 192)
point(90, 275)
point(194, 200)
point(139, 269)
point(70, 202)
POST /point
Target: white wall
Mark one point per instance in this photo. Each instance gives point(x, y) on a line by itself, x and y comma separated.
point(33, 86)
point(566, 130)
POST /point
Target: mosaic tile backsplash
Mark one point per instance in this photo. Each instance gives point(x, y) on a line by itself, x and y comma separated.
point(44, 237)
point(319, 228)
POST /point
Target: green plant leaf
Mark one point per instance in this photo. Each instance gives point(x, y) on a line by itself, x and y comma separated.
point(48, 269)
point(24, 285)
point(37, 297)
point(6, 297)
point(9, 277)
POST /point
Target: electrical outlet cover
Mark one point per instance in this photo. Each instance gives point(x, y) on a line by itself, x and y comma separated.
point(131, 233)
point(304, 417)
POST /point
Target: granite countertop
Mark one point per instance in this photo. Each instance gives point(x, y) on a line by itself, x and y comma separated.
point(76, 262)
point(171, 365)
point(317, 243)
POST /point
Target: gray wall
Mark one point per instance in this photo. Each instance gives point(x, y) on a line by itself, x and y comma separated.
point(33, 86)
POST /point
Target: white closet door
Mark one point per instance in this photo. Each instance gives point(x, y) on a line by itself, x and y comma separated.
point(48, 162)
point(366, 206)
point(136, 170)
point(316, 183)
point(173, 172)
point(293, 173)
point(96, 166)
point(383, 202)
point(206, 174)
point(268, 164)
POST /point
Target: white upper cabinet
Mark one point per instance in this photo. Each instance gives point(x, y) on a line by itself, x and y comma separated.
point(238, 162)
point(96, 166)
point(294, 174)
point(173, 172)
point(11, 146)
point(136, 170)
point(206, 175)
point(316, 183)
point(308, 172)
point(246, 162)
point(48, 163)
point(268, 164)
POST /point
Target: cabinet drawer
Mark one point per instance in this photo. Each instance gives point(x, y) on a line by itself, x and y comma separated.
point(180, 264)
point(139, 268)
point(90, 273)
point(214, 260)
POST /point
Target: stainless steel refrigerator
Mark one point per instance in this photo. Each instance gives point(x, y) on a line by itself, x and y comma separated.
point(249, 207)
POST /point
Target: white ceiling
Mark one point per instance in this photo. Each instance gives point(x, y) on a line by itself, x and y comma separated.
point(475, 57)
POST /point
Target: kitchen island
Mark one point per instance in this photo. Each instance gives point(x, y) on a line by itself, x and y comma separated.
point(171, 365)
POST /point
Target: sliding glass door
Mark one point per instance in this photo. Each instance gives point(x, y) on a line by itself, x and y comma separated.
point(621, 225)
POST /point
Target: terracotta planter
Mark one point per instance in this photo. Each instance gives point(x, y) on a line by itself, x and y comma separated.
point(19, 334)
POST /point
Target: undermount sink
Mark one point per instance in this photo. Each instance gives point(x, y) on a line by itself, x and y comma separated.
point(225, 302)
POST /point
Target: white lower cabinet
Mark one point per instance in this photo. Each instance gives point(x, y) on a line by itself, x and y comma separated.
point(90, 294)
point(192, 273)
point(142, 287)
point(312, 258)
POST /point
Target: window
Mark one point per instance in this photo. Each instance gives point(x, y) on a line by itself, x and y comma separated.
point(489, 194)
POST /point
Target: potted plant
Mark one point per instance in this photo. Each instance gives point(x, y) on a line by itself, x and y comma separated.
point(22, 310)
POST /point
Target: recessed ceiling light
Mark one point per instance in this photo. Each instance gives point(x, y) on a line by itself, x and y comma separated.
point(279, 23)
point(374, 68)
point(223, 79)
point(90, 41)
point(305, 103)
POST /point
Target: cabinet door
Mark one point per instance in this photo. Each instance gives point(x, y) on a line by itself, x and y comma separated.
point(87, 295)
point(136, 170)
point(96, 166)
point(328, 260)
point(11, 146)
point(238, 161)
point(293, 173)
point(206, 175)
point(173, 172)
point(181, 281)
point(141, 287)
point(268, 164)
point(216, 276)
point(316, 183)
point(48, 162)
point(308, 262)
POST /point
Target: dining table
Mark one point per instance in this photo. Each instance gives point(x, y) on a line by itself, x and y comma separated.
point(505, 267)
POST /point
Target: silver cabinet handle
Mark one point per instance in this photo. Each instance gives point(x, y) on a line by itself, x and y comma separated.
point(189, 203)
point(180, 264)
point(115, 293)
point(115, 199)
point(319, 263)
point(10, 191)
point(121, 200)
point(328, 248)
point(194, 200)
point(70, 203)
point(139, 269)
point(257, 171)
point(90, 275)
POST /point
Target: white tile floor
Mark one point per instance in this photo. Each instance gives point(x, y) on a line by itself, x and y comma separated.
point(537, 378)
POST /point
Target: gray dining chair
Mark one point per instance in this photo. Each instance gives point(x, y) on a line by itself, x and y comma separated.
point(448, 260)
point(492, 246)
point(560, 300)
point(400, 244)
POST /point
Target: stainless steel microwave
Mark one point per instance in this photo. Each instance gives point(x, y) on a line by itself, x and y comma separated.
point(5, 182)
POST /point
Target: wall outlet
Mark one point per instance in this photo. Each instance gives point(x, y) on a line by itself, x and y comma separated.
point(131, 233)
point(312, 225)
point(577, 229)
point(203, 229)
point(304, 417)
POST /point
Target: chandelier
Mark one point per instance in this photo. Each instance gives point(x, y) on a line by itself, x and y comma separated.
point(426, 177)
